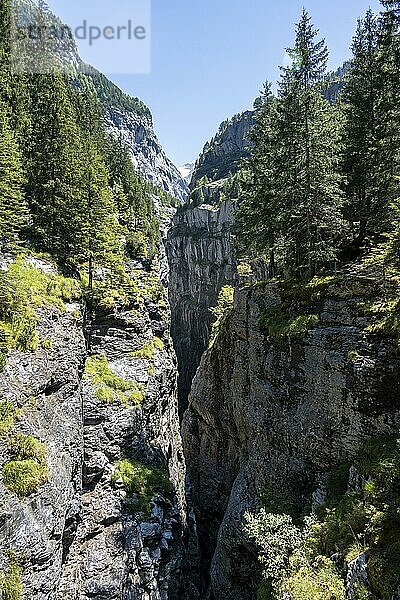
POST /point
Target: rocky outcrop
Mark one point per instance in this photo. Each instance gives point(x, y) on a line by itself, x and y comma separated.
point(280, 412)
point(84, 533)
point(126, 117)
point(201, 260)
point(136, 130)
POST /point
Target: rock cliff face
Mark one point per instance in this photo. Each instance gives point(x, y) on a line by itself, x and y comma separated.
point(200, 246)
point(149, 158)
point(45, 386)
point(221, 155)
point(201, 260)
point(282, 411)
point(84, 533)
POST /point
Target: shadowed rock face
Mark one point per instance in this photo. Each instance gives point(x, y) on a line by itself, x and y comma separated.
point(201, 259)
point(268, 409)
point(118, 553)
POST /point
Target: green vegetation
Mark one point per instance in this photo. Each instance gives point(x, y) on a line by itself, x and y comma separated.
point(109, 386)
point(23, 288)
point(142, 481)
point(222, 310)
point(298, 296)
point(10, 581)
point(317, 582)
point(68, 188)
point(322, 182)
point(287, 567)
point(296, 560)
point(28, 468)
point(8, 415)
point(147, 351)
point(278, 324)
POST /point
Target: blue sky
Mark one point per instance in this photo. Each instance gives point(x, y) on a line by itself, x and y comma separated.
point(210, 58)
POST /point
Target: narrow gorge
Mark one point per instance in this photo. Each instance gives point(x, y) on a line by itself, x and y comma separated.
point(200, 380)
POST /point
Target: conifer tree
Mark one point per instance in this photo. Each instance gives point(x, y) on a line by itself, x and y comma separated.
point(258, 217)
point(13, 209)
point(388, 112)
point(294, 167)
point(308, 140)
point(55, 161)
point(365, 207)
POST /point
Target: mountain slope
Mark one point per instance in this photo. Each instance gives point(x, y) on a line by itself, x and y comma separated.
point(124, 115)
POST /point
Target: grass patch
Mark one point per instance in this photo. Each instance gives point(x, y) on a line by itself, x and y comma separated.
point(26, 447)
point(8, 415)
point(109, 386)
point(221, 311)
point(143, 481)
point(10, 581)
point(293, 317)
point(147, 352)
point(23, 288)
point(28, 468)
point(278, 323)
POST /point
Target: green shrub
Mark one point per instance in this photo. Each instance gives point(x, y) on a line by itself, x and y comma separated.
point(117, 288)
point(142, 480)
point(147, 351)
point(10, 581)
point(8, 415)
point(277, 538)
point(137, 244)
point(24, 476)
point(158, 344)
point(318, 582)
point(222, 310)
point(28, 468)
point(109, 386)
point(26, 446)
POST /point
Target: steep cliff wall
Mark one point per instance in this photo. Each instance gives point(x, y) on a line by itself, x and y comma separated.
point(269, 409)
point(201, 259)
point(108, 519)
point(221, 156)
point(45, 388)
point(149, 158)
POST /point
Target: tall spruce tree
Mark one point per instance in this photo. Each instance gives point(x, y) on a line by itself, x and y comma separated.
point(294, 165)
point(99, 243)
point(55, 160)
point(13, 209)
point(308, 140)
point(365, 190)
point(258, 218)
point(388, 112)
